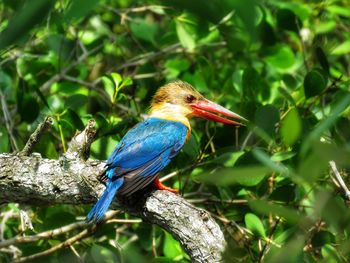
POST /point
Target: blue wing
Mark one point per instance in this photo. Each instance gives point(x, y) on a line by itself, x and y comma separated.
point(144, 151)
point(141, 154)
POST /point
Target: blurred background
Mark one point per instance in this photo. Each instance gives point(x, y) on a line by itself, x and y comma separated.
point(283, 65)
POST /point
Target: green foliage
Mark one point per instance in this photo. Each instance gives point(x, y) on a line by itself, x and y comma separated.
point(283, 65)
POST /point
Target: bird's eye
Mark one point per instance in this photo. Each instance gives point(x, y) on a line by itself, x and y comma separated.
point(190, 98)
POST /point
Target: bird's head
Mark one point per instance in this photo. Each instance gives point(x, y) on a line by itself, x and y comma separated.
point(179, 99)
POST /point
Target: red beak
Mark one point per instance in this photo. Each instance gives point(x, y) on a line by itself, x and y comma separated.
point(202, 107)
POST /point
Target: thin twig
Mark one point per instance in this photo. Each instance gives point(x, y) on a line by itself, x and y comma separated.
point(216, 200)
point(69, 242)
point(265, 247)
point(83, 234)
point(6, 216)
point(175, 48)
point(36, 135)
point(50, 233)
point(64, 71)
point(340, 179)
point(154, 242)
point(124, 221)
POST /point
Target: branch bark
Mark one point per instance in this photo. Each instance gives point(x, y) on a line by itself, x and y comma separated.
point(34, 180)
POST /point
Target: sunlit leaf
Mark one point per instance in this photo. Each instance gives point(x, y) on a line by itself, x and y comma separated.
point(171, 247)
point(342, 49)
point(339, 10)
point(228, 159)
point(144, 30)
point(331, 254)
point(186, 38)
point(282, 156)
point(254, 224)
point(175, 66)
point(291, 127)
point(281, 57)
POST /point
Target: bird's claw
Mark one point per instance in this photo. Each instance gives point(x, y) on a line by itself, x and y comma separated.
point(158, 185)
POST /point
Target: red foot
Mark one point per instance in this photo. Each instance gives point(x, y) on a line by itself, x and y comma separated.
point(158, 185)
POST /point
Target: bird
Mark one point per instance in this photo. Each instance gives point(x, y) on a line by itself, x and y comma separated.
point(150, 145)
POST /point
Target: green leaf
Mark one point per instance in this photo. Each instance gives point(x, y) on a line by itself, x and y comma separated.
point(254, 224)
point(331, 254)
point(285, 235)
point(314, 83)
point(245, 175)
point(76, 101)
point(281, 57)
point(109, 86)
point(172, 248)
point(61, 46)
point(228, 159)
point(144, 30)
point(282, 156)
point(290, 81)
point(291, 127)
point(174, 67)
point(342, 49)
point(339, 10)
point(186, 38)
point(79, 8)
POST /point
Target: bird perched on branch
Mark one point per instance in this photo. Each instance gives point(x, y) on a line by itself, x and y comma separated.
point(148, 147)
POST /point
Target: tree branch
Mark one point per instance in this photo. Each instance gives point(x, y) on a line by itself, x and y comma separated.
point(35, 180)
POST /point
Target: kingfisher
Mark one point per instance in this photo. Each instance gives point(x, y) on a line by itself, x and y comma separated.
point(150, 145)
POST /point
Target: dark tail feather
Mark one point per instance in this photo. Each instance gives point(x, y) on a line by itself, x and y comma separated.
point(100, 208)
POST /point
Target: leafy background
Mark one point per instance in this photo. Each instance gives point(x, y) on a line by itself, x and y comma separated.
point(283, 65)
